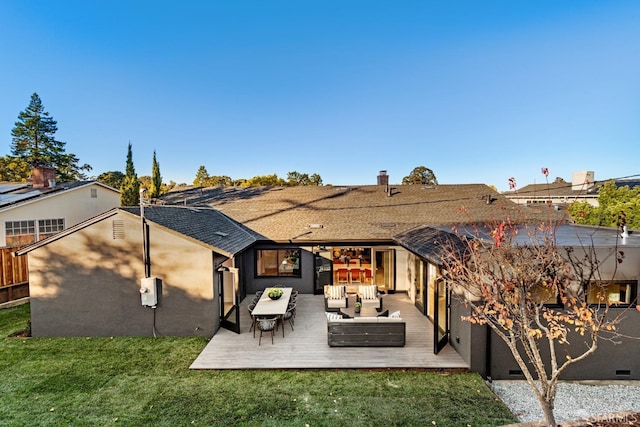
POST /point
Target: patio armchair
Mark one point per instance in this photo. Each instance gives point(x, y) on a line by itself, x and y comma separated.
point(335, 297)
point(369, 296)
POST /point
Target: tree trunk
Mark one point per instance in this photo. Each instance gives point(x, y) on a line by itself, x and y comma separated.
point(547, 410)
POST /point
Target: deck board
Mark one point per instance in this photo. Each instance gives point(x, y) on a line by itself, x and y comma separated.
point(306, 347)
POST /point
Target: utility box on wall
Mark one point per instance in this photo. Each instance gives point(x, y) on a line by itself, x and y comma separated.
point(149, 291)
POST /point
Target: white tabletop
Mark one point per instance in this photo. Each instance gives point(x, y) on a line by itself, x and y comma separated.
point(268, 307)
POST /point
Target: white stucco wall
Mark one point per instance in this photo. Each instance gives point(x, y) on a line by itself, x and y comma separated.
point(74, 205)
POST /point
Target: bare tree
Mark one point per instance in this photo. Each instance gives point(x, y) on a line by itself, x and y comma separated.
point(507, 274)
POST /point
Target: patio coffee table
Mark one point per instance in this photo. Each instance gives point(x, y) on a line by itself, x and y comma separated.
point(364, 311)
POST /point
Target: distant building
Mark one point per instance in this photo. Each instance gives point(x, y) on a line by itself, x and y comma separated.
point(583, 188)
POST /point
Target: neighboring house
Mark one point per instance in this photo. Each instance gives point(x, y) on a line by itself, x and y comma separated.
point(582, 188)
point(33, 211)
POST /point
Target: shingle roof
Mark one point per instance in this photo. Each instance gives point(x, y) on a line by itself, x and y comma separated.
point(431, 243)
point(340, 214)
point(202, 224)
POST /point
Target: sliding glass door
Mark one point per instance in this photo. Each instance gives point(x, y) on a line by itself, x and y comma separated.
point(384, 269)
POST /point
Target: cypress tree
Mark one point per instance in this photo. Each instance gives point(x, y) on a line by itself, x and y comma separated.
point(130, 189)
point(156, 179)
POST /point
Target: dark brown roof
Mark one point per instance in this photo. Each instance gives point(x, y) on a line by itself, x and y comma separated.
point(341, 214)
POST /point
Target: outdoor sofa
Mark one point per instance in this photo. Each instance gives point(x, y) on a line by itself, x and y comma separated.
point(366, 332)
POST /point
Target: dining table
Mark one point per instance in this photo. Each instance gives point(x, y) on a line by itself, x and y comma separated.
point(272, 307)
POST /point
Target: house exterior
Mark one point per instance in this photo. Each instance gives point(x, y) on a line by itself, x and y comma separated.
point(582, 188)
point(210, 247)
point(485, 352)
point(32, 211)
point(86, 280)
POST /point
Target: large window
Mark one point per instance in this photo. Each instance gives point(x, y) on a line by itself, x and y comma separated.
point(20, 233)
point(615, 292)
point(49, 227)
point(278, 262)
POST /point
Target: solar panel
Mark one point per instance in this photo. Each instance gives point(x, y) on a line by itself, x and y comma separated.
point(8, 188)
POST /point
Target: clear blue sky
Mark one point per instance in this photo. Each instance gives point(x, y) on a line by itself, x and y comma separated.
point(478, 91)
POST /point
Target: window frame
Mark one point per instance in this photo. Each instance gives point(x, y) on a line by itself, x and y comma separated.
point(14, 231)
point(27, 231)
point(633, 298)
point(283, 256)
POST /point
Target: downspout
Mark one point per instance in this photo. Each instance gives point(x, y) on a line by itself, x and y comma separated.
point(145, 238)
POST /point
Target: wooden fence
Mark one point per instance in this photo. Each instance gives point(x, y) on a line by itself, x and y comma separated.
point(14, 281)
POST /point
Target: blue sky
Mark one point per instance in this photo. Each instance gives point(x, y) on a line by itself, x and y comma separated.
point(478, 91)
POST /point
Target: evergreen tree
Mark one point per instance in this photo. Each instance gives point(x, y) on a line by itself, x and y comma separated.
point(34, 144)
point(156, 179)
point(202, 177)
point(130, 189)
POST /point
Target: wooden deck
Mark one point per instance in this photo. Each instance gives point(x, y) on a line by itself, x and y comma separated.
point(306, 347)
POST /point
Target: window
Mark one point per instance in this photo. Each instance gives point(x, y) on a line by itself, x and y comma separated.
point(19, 233)
point(49, 227)
point(278, 262)
point(616, 292)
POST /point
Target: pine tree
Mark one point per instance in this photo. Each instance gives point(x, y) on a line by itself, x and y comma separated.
point(202, 177)
point(156, 179)
point(34, 144)
point(130, 190)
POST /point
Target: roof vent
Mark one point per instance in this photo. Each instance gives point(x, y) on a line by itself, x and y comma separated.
point(221, 233)
point(316, 226)
point(388, 224)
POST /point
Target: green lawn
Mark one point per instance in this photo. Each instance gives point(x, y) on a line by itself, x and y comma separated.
point(141, 381)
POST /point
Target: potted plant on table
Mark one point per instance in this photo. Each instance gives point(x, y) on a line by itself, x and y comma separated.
point(275, 293)
point(358, 306)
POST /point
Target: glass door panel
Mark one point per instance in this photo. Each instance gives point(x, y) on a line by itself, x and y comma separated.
point(441, 322)
point(228, 296)
point(420, 285)
point(384, 270)
point(324, 271)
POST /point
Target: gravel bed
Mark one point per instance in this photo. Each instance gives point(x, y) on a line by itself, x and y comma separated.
point(573, 400)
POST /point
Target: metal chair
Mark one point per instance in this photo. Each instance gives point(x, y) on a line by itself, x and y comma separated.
point(288, 316)
point(253, 319)
point(266, 324)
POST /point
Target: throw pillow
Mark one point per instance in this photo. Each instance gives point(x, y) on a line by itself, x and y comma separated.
point(384, 314)
point(336, 292)
point(395, 314)
point(344, 315)
point(334, 316)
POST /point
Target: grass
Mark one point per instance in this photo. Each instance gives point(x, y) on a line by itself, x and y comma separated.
point(141, 381)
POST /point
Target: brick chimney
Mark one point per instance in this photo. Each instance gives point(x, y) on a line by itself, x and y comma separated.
point(383, 178)
point(43, 176)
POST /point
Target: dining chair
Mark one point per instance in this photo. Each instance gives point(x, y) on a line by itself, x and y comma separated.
point(356, 275)
point(288, 316)
point(253, 319)
point(342, 275)
point(266, 324)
